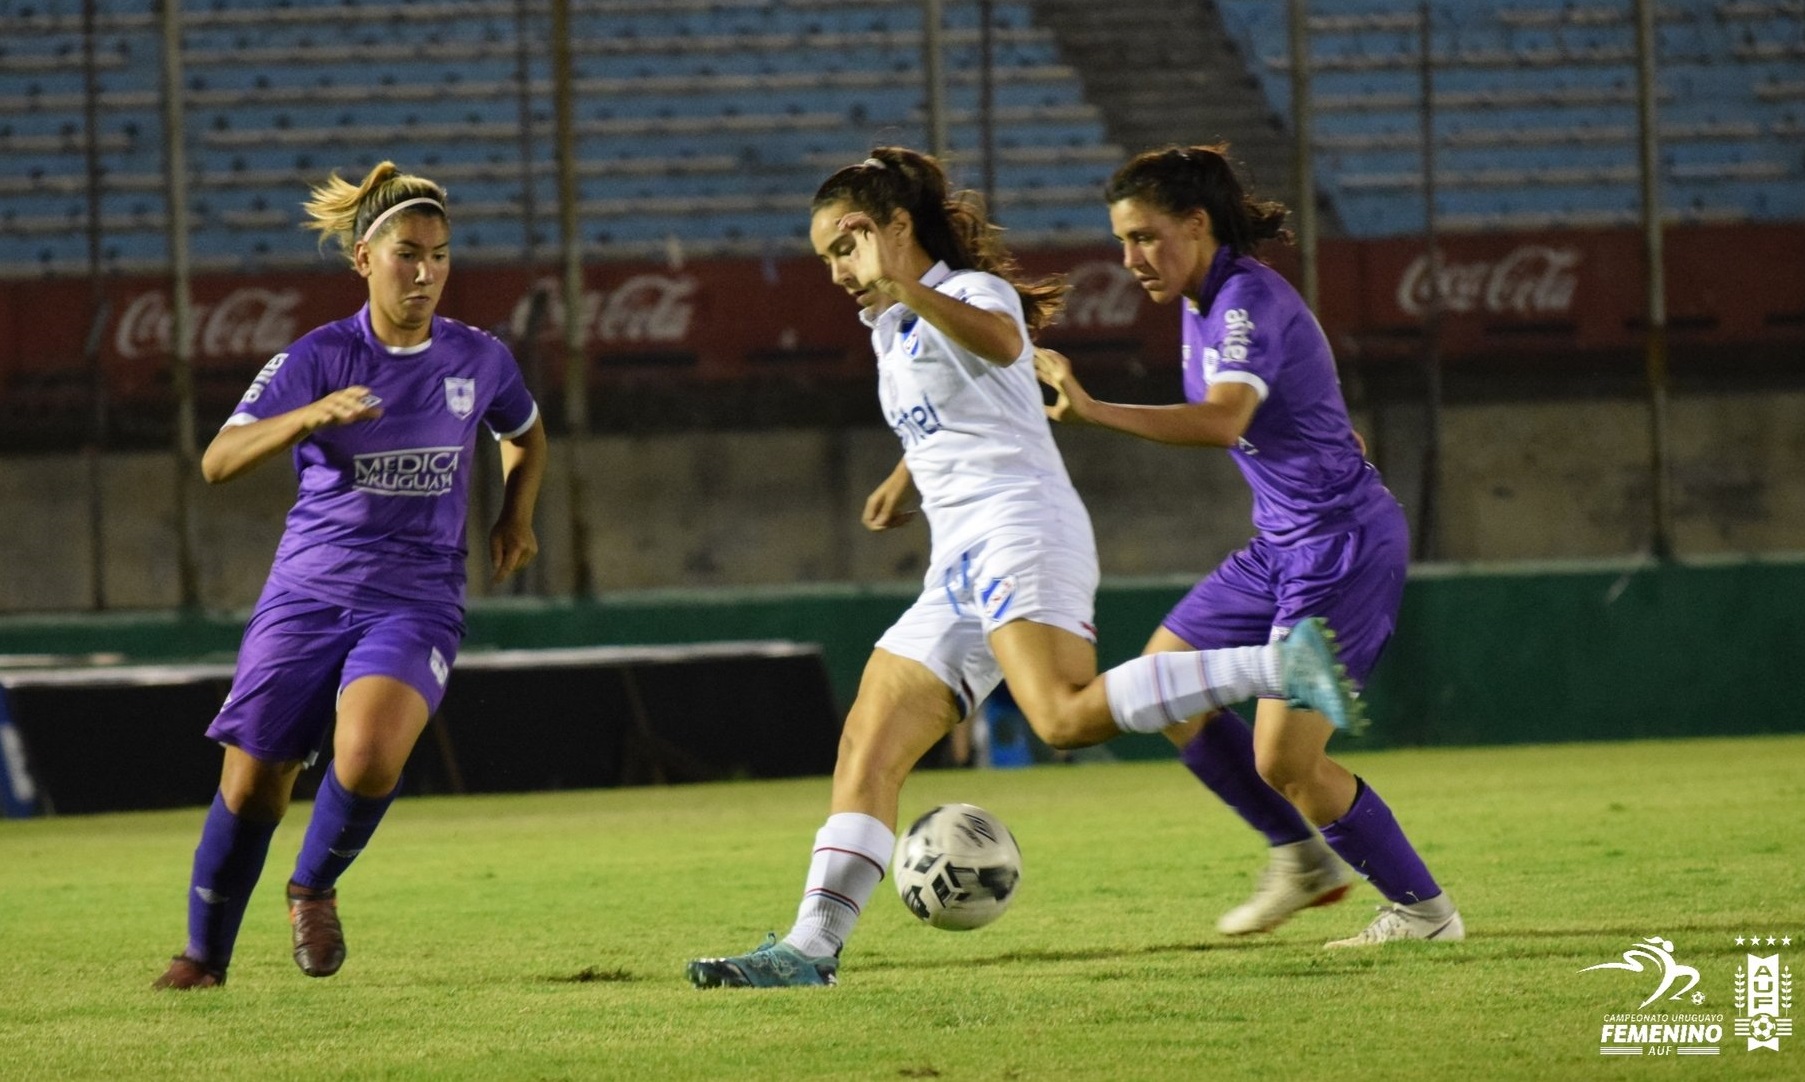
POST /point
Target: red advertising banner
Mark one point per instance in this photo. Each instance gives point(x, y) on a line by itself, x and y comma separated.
point(1521, 295)
point(1504, 297)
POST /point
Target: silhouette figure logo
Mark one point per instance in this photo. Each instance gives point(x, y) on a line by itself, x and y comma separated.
point(1658, 954)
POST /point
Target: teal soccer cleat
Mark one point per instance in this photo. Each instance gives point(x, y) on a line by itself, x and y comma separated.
point(1315, 680)
point(772, 965)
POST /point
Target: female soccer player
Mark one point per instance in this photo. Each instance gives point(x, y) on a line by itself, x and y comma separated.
point(1332, 542)
point(363, 611)
point(1013, 571)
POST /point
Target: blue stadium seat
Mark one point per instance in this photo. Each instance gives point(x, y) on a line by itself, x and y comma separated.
point(709, 120)
point(1546, 88)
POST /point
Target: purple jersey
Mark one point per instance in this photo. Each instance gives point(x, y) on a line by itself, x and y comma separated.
point(379, 518)
point(1298, 454)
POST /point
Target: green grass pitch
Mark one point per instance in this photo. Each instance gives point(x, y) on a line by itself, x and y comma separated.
point(544, 936)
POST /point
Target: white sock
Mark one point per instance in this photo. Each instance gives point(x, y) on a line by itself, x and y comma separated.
point(851, 852)
point(1152, 693)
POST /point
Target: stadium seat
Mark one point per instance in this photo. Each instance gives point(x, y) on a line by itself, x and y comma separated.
point(1545, 86)
point(705, 119)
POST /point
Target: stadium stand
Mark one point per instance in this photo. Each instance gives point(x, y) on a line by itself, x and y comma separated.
point(709, 121)
point(1535, 109)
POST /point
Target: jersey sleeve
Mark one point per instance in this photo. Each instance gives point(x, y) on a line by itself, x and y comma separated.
point(287, 381)
point(992, 294)
point(1247, 350)
point(512, 411)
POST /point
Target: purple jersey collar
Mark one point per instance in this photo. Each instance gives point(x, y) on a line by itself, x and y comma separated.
point(1220, 268)
point(382, 348)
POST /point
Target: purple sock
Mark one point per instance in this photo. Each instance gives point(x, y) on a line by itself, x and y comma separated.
point(1222, 758)
point(227, 863)
point(340, 828)
point(1370, 840)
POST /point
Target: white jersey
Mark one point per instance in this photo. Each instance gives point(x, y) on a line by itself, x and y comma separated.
point(974, 434)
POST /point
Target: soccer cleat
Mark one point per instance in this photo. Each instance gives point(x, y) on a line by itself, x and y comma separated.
point(1436, 919)
point(185, 973)
point(1299, 876)
point(772, 965)
point(319, 938)
point(1315, 680)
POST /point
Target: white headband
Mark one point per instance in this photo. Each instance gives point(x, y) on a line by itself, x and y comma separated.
point(874, 163)
point(403, 205)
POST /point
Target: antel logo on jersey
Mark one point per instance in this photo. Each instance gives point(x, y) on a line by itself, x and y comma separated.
point(644, 308)
point(1531, 280)
point(1237, 332)
point(912, 424)
point(246, 322)
point(422, 471)
point(268, 372)
point(1104, 295)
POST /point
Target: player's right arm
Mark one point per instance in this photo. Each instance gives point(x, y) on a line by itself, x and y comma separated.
point(892, 503)
point(1218, 421)
point(241, 447)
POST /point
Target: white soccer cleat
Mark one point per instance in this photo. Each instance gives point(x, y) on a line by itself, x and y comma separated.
point(1297, 877)
point(1435, 919)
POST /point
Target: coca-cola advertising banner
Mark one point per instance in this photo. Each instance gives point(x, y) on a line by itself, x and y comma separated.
point(1520, 294)
point(1501, 296)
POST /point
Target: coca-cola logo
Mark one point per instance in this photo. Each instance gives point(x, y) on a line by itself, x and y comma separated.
point(248, 322)
point(644, 308)
point(1531, 280)
point(1104, 296)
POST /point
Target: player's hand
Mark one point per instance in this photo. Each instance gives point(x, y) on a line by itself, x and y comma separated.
point(346, 407)
point(1360, 442)
point(512, 547)
point(891, 504)
point(878, 254)
point(1069, 399)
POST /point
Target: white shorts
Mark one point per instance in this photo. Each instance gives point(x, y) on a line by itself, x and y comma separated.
point(969, 594)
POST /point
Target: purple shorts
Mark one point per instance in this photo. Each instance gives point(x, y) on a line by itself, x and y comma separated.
point(1354, 580)
point(299, 653)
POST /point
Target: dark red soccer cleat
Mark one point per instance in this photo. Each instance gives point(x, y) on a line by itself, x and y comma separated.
point(319, 938)
point(184, 973)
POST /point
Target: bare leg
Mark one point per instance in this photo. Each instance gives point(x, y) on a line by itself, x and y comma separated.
point(901, 711)
point(1053, 675)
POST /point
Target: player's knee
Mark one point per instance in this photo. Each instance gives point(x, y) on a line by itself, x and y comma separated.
point(262, 802)
point(257, 789)
point(1059, 725)
point(1287, 774)
point(368, 770)
point(866, 759)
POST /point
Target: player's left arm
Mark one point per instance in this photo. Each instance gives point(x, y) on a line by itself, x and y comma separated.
point(991, 335)
point(879, 254)
point(1220, 420)
point(512, 543)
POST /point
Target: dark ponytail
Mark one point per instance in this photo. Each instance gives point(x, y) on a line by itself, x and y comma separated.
point(1178, 180)
point(952, 227)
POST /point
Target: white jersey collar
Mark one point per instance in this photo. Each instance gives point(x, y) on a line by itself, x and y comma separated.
point(931, 278)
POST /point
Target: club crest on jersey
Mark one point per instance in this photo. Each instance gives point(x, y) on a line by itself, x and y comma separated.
point(997, 595)
point(911, 336)
point(460, 396)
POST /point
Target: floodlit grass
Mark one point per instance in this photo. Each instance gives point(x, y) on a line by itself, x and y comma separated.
point(544, 936)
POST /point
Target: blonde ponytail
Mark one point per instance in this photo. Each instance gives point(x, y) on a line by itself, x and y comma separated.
point(343, 212)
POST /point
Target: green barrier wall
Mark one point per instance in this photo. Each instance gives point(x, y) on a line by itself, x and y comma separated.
point(1482, 656)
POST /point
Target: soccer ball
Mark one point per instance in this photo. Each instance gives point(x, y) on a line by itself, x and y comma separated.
point(957, 867)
